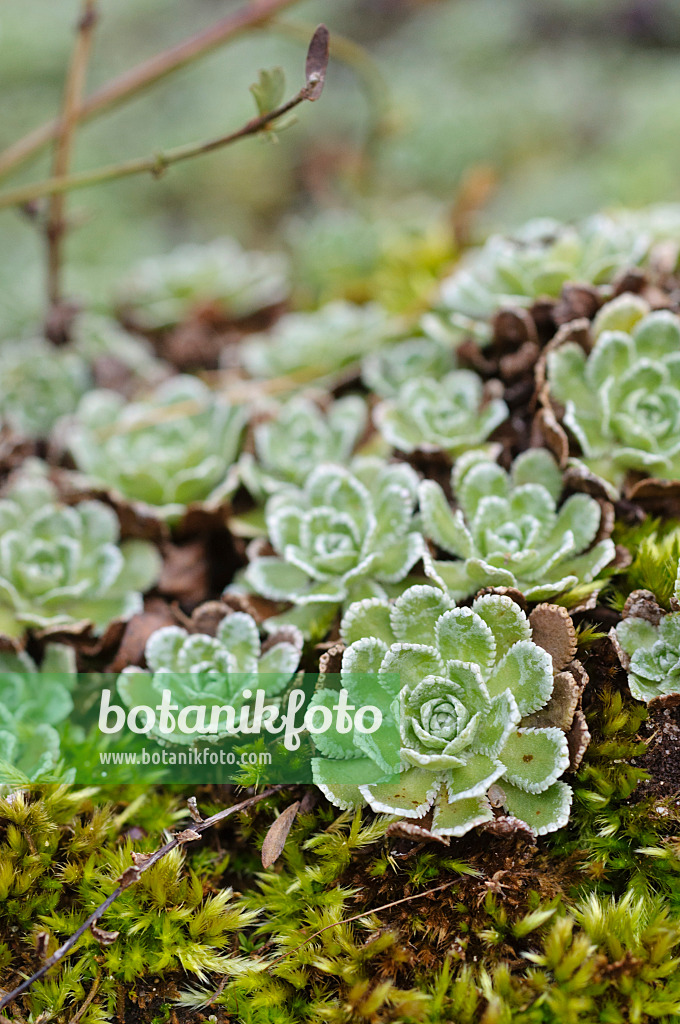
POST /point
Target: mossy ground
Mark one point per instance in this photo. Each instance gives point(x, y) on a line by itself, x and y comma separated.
point(579, 926)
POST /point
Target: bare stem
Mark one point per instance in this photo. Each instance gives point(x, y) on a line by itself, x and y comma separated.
point(73, 93)
point(155, 165)
point(134, 81)
point(129, 877)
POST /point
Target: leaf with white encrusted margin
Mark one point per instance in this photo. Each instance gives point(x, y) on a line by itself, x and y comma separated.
point(543, 812)
point(506, 619)
point(340, 781)
point(535, 758)
point(332, 743)
point(367, 618)
point(498, 724)
point(472, 778)
point(526, 670)
point(409, 793)
point(464, 636)
point(460, 817)
point(414, 614)
point(446, 527)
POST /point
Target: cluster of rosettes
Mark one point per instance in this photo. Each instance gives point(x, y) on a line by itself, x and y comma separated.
point(372, 463)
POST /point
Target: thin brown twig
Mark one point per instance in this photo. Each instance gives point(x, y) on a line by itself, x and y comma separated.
point(356, 917)
point(90, 996)
point(155, 165)
point(128, 878)
point(73, 94)
point(254, 15)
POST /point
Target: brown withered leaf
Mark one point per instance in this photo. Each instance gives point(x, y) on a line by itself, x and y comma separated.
point(185, 574)
point(156, 614)
point(316, 64)
point(189, 835)
point(553, 630)
point(103, 938)
point(193, 809)
point(275, 840)
point(407, 829)
point(129, 876)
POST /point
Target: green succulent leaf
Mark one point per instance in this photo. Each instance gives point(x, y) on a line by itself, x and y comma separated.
point(543, 812)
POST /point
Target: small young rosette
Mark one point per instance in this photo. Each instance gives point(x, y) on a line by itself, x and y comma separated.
point(34, 702)
point(64, 567)
point(221, 279)
point(648, 644)
point(450, 415)
point(386, 371)
point(508, 530)
point(466, 687)
point(313, 345)
point(620, 393)
point(534, 264)
point(166, 451)
point(40, 383)
point(212, 671)
point(297, 437)
point(345, 534)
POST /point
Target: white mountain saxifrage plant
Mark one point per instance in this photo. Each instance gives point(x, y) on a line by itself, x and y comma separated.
point(220, 278)
point(34, 702)
point(621, 398)
point(212, 671)
point(168, 450)
point(534, 264)
point(64, 565)
point(315, 344)
point(508, 530)
point(297, 437)
point(648, 643)
point(467, 696)
point(451, 414)
point(344, 535)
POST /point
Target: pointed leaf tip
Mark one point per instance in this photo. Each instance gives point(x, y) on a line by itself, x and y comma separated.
point(317, 62)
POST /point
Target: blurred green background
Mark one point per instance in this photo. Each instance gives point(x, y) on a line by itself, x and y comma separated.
point(568, 105)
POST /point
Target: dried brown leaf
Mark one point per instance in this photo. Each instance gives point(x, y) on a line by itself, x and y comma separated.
point(275, 840)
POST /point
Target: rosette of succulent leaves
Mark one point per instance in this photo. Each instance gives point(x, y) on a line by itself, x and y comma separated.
point(290, 440)
point(219, 279)
point(173, 448)
point(40, 383)
point(212, 671)
point(345, 534)
point(64, 567)
point(451, 414)
point(648, 644)
point(386, 371)
point(618, 389)
point(507, 528)
point(475, 714)
point(535, 263)
point(310, 346)
point(33, 704)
